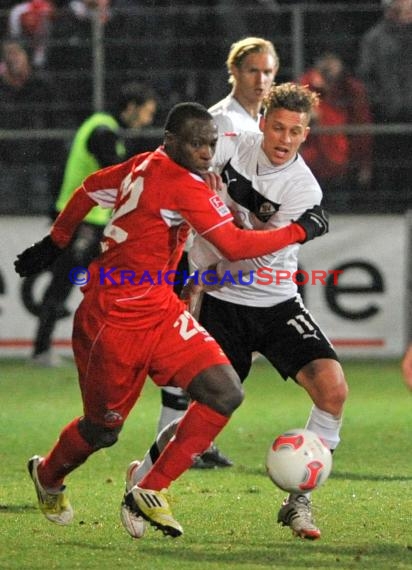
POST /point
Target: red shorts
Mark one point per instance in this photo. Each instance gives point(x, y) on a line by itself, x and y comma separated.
point(114, 362)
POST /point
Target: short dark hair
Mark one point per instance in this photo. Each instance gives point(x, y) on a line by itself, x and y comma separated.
point(135, 92)
point(183, 112)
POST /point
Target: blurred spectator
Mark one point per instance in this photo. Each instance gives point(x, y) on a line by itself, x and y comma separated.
point(97, 144)
point(26, 103)
point(385, 64)
point(72, 50)
point(341, 162)
point(30, 22)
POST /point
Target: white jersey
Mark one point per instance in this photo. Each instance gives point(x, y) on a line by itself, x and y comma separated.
point(261, 196)
point(231, 117)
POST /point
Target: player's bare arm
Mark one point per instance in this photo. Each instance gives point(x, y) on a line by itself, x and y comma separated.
point(407, 367)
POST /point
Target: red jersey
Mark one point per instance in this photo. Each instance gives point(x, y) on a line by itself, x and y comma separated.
point(155, 202)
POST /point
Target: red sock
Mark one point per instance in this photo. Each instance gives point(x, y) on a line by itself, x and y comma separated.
point(197, 429)
point(70, 451)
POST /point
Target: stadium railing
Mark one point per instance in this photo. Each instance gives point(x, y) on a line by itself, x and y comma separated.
point(184, 59)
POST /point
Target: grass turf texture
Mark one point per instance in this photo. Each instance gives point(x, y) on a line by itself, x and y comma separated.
point(229, 516)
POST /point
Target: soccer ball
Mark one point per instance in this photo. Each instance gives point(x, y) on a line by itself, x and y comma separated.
point(298, 461)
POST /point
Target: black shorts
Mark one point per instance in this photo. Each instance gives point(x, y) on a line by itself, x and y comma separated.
point(286, 334)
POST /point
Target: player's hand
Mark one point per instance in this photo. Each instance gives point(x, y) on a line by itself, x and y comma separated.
point(191, 287)
point(37, 257)
point(315, 222)
point(213, 180)
point(192, 294)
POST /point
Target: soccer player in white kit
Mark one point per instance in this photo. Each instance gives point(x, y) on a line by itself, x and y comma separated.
point(252, 64)
point(267, 184)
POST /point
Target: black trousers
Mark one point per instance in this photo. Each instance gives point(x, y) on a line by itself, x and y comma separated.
point(83, 248)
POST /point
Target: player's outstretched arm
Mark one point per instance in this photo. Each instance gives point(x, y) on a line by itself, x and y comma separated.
point(37, 257)
point(315, 222)
point(407, 367)
point(235, 244)
point(43, 253)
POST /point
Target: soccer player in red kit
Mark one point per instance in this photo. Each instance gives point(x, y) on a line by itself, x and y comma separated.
point(130, 324)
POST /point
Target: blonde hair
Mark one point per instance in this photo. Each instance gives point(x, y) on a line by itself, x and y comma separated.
point(241, 49)
point(292, 97)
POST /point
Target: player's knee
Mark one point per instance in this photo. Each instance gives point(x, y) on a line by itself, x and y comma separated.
point(228, 399)
point(235, 398)
point(333, 399)
point(325, 382)
point(218, 387)
point(98, 436)
point(342, 392)
point(338, 392)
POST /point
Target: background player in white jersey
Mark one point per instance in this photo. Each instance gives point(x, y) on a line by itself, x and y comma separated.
point(268, 183)
point(252, 64)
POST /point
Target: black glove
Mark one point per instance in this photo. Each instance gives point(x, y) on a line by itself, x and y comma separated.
point(315, 222)
point(37, 257)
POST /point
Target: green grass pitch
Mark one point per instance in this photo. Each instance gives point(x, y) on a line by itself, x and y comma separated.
point(229, 516)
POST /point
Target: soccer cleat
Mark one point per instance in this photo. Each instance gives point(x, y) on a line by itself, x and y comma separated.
point(154, 507)
point(132, 522)
point(130, 473)
point(55, 506)
point(212, 458)
point(296, 513)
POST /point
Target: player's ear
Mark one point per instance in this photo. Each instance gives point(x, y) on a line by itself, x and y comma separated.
point(234, 72)
point(262, 122)
point(306, 133)
point(169, 138)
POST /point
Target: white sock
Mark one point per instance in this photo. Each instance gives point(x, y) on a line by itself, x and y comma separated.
point(326, 426)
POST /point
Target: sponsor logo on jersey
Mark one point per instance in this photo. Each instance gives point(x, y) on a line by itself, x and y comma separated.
point(219, 205)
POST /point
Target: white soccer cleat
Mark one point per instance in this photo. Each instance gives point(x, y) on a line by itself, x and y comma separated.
point(296, 513)
point(132, 522)
point(55, 506)
point(130, 473)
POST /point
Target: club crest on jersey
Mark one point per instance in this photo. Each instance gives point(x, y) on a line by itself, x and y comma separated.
point(219, 205)
point(241, 190)
point(266, 211)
